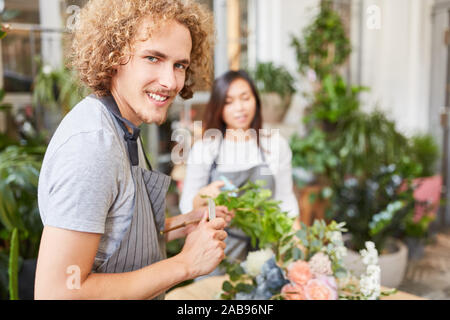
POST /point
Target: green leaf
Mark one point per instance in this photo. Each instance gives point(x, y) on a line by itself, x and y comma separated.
point(7, 207)
point(227, 286)
point(244, 287)
point(297, 254)
point(13, 270)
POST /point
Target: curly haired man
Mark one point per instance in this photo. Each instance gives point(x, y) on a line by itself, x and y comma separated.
point(102, 205)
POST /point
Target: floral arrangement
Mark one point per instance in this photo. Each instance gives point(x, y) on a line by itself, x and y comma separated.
point(305, 264)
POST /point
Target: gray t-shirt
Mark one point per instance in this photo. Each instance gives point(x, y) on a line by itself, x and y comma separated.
point(86, 182)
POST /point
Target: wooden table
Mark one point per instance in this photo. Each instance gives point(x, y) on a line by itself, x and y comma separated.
point(209, 289)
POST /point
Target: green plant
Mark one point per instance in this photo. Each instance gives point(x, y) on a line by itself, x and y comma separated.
point(362, 157)
point(333, 101)
point(271, 78)
point(426, 152)
point(310, 255)
point(13, 270)
point(256, 214)
point(373, 207)
point(57, 89)
point(6, 141)
point(367, 141)
point(313, 152)
point(19, 174)
point(418, 229)
point(325, 45)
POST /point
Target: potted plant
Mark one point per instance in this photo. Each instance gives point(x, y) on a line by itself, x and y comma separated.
point(312, 158)
point(324, 47)
point(19, 215)
point(427, 194)
point(321, 52)
point(317, 152)
point(365, 165)
point(58, 91)
point(276, 87)
point(374, 209)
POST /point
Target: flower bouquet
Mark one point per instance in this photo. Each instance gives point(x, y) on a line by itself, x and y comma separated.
point(290, 264)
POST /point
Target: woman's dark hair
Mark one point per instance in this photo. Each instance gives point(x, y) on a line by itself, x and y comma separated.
point(214, 109)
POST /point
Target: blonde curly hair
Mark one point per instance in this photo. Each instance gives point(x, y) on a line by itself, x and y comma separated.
point(107, 29)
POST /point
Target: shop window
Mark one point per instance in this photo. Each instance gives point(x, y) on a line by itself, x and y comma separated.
point(18, 47)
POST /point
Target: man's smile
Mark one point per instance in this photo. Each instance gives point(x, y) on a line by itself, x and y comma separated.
point(159, 99)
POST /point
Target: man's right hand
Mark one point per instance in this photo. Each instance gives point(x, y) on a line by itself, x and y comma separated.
point(204, 247)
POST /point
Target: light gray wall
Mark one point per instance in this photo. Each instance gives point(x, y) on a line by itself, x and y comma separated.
point(396, 61)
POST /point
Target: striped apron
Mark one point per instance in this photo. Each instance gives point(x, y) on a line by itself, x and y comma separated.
point(143, 243)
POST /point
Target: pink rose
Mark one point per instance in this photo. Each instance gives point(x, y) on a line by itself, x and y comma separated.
point(317, 289)
point(329, 281)
point(293, 292)
point(299, 272)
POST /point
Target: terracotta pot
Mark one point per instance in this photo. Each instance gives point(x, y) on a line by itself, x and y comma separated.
point(392, 265)
point(274, 107)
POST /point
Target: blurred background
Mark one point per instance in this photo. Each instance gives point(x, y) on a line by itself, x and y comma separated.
point(360, 88)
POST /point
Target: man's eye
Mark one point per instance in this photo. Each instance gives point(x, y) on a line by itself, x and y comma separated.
point(180, 66)
point(152, 59)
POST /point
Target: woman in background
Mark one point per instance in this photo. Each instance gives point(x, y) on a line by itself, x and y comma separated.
point(242, 155)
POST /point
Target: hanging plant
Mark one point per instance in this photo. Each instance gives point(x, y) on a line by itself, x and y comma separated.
point(325, 46)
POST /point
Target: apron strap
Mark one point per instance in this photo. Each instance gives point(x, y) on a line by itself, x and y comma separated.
point(145, 155)
point(130, 138)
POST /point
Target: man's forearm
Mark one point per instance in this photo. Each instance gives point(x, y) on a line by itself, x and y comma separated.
point(145, 283)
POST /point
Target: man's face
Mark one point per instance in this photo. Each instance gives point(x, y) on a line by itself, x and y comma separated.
point(150, 80)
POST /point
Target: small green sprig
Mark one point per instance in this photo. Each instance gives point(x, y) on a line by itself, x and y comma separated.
point(239, 280)
point(257, 214)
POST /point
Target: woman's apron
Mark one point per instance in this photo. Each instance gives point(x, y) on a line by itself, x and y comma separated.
point(238, 243)
point(142, 243)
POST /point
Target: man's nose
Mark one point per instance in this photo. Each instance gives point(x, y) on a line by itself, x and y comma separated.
point(167, 78)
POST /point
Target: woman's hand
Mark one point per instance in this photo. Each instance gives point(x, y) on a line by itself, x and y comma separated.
point(212, 190)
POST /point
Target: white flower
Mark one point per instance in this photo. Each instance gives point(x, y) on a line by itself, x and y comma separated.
point(320, 264)
point(370, 245)
point(370, 281)
point(47, 69)
point(340, 252)
point(369, 259)
point(255, 261)
point(373, 270)
point(335, 237)
point(369, 287)
point(370, 254)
